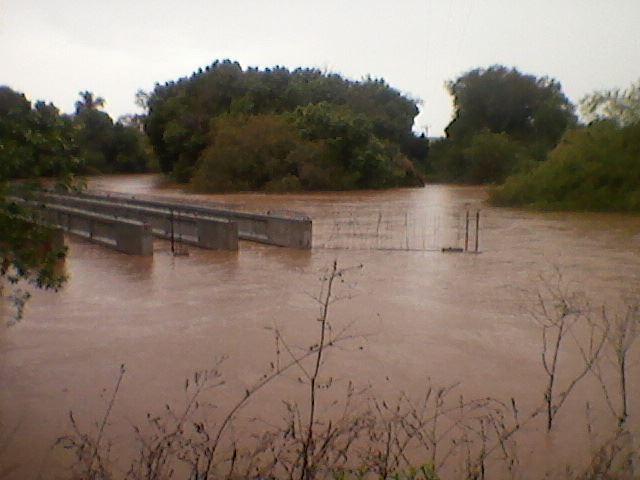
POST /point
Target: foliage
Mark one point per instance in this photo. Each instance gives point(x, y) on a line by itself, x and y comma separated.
point(354, 154)
point(29, 252)
point(33, 142)
point(105, 146)
point(503, 100)
point(183, 118)
point(39, 141)
point(503, 120)
point(593, 168)
point(487, 158)
point(622, 107)
point(248, 154)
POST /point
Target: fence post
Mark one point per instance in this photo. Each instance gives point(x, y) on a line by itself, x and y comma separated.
point(477, 228)
point(466, 233)
point(173, 240)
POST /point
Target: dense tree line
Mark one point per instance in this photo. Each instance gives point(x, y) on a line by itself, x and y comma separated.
point(225, 128)
point(38, 140)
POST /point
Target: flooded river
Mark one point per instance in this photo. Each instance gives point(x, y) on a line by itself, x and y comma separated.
point(415, 312)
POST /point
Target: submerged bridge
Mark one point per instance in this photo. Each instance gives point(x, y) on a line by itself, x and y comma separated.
point(129, 224)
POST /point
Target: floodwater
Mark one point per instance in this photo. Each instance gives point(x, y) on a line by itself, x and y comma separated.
point(415, 313)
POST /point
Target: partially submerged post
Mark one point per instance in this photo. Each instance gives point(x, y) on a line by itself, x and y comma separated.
point(466, 232)
point(173, 239)
point(477, 228)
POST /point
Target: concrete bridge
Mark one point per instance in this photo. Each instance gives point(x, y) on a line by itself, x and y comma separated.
point(128, 224)
point(124, 235)
point(293, 230)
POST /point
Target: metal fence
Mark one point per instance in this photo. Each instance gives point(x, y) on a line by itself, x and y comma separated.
point(432, 229)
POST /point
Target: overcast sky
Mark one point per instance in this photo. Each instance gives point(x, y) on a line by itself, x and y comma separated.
point(52, 49)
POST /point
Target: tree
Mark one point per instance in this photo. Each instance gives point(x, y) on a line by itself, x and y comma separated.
point(491, 157)
point(34, 141)
point(620, 106)
point(503, 100)
point(503, 121)
point(361, 158)
point(88, 102)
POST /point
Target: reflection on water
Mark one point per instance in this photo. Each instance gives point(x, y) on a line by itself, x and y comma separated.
point(452, 317)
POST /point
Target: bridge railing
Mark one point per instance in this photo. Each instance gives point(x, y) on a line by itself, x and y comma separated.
point(286, 230)
point(124, 235)
point(200, 230)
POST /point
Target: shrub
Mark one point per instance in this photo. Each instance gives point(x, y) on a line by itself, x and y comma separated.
point(593, 168)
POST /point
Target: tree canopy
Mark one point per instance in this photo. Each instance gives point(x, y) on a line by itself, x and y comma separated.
point(34, 141)
point(503, 100)
point(502, 106)
point(37, 140)
point(339, 116)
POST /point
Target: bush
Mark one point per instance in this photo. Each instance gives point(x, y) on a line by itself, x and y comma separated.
point(247, 154)
point(318, 147)
point(593, 168)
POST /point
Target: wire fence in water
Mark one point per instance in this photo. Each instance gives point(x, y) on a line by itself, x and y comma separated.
point(433, 229)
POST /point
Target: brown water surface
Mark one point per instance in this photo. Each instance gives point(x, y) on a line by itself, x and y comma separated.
point(450, 317)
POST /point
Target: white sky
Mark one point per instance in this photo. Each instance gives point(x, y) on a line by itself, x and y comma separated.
point(52, 49)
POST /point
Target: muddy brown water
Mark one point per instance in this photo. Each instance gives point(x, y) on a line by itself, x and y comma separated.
point(417, 313)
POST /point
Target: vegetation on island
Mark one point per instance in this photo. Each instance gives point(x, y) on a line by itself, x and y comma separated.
point(225, 128)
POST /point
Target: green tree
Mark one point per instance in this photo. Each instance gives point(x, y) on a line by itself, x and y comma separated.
point(486, 158)
point(365, 161)
point(88, 102)
point(105, 146)
point(503, 100)
point(34, 141)
point(503, 120)
point(491, 157)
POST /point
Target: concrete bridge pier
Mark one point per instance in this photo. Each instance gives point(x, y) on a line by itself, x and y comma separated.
point(217, 235)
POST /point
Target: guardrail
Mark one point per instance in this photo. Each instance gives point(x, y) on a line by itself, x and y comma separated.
point(201, 230)
point(124, 235)
point(293, 230)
